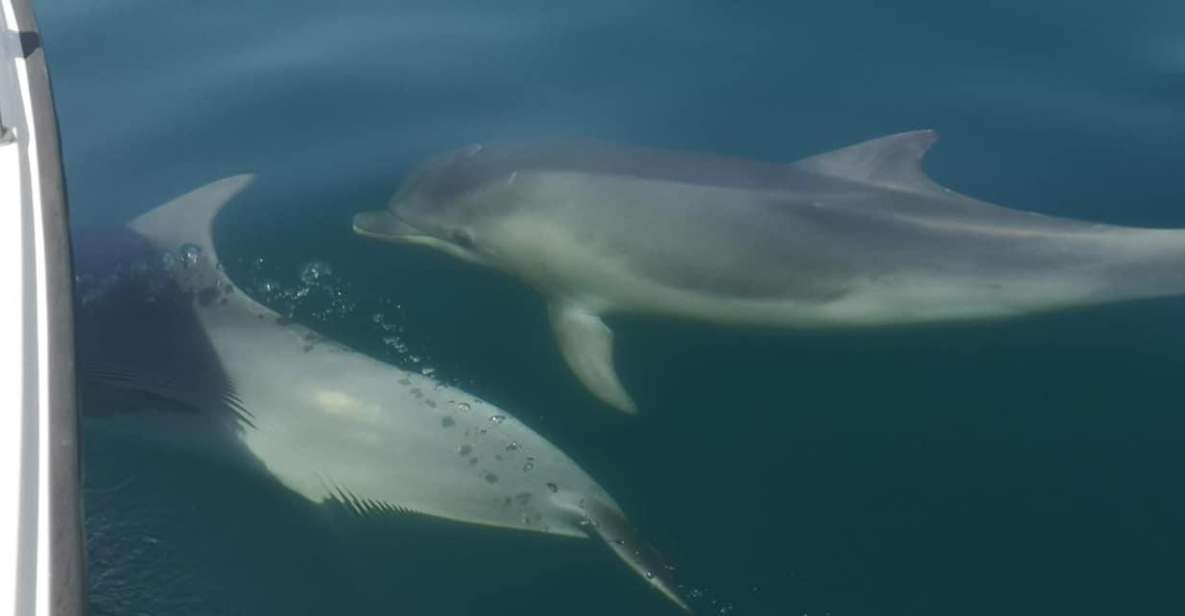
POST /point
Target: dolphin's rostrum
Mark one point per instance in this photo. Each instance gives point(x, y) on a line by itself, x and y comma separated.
point(854, 237)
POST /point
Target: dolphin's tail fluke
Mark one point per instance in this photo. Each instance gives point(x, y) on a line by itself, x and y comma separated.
point(611, 526)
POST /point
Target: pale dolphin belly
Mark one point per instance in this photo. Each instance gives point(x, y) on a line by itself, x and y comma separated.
point(443, 452)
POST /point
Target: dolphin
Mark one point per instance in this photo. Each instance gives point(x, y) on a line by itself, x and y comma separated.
point(859, 236)
point(329, 423)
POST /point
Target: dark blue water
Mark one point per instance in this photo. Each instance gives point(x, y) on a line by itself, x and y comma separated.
point(1027, 467)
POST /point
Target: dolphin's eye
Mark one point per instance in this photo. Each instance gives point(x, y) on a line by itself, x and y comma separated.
point(462, 238)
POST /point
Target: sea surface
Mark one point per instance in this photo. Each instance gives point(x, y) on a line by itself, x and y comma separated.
point(1023, 467)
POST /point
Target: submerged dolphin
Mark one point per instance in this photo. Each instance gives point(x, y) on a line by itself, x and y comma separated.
point(328, 422)
point(854, 237)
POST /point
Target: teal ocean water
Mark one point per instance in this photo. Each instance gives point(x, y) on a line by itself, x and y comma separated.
point(1024, 467)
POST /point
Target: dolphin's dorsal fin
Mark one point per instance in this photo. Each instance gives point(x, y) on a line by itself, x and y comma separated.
point(187, 219)
point(587, 345)
point(894, 161)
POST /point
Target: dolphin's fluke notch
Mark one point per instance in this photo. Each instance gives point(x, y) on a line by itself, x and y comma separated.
point(587, 345)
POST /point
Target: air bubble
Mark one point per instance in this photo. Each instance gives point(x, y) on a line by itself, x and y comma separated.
point(257, 262)
point(395, 343)
point(314, 271)
point(513, 446)
point(189, 254)
point(464, 406)
point(497, 419)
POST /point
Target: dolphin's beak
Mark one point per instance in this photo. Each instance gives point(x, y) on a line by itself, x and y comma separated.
point(382, 225)
point(385, 226)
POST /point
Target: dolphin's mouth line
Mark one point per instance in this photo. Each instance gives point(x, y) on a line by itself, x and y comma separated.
point(409, 229)
point(388, 226)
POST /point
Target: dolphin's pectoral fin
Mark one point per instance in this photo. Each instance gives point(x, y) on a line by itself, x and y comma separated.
point(610, 526)
point(894, 161)
point(587, 345)
point(188, 218)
